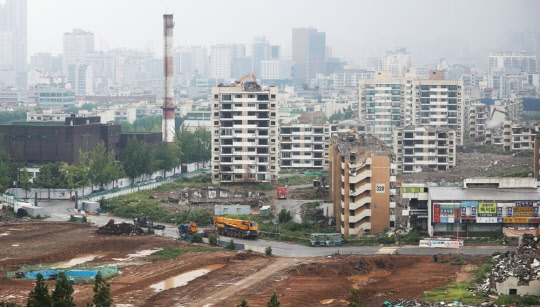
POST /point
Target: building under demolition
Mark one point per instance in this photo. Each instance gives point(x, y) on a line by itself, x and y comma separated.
point(362, 184)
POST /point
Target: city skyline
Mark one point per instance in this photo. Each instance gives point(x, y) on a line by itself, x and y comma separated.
point(365, 29)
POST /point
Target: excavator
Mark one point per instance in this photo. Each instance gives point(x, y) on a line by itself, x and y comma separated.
point(188, 228)
point(244, 78)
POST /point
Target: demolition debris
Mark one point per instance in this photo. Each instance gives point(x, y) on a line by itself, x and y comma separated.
point(120, 229)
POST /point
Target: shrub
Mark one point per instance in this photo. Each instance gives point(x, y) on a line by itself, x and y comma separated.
point(459, 261)
point(84, 220)
point(213, 240)
point(268, 251)
point(72, 218)
point(230, 245)
point(196, 238)
point(284, 216)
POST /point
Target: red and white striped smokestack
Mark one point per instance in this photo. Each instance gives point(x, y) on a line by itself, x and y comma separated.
point(168, 127)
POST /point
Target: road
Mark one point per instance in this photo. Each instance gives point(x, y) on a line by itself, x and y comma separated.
point(61, 211)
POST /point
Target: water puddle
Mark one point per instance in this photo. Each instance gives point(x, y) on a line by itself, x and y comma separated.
point(139, 254)
point(77, 260)
point(327, 301)
point(367, 277)
point(184, 278)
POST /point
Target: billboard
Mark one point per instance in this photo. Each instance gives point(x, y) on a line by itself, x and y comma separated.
point(487, 209)
point(489, 220)
point(523, 212)
point(516, 220)
point(436, 213)
point(524, 203)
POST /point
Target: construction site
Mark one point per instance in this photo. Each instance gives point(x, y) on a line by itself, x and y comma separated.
point(202, 275)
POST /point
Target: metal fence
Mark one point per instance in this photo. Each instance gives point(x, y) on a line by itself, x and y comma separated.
point(107, 194)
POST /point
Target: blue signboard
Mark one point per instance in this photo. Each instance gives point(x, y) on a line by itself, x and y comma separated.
point(524, 203)
point(535, 211)
point(463, 210)
point(499, 211)
point(469, 204)
point(473, 211)
point(509, 211)
point(444, 219)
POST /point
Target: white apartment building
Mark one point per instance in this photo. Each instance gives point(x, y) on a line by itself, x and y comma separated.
point(244, 134)
point(350, 78)
point(190, 60)
point(221, 59)
point(81, 78)
point(386, 103)
point(517, 137)
point(477, 117)
point(419, 148)
point(507, 60)
point(304, 145)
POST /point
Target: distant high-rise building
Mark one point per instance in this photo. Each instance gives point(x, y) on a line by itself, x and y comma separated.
point(261, 52)
point(221, 57)
point(507, 61)
point(81, 77)
point(275, 52)
point(308, 53)
point(396, 62)
point(190, 60)
point(13, 41)
point(77, 45)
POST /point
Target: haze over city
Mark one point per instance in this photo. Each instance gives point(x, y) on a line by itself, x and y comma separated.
point(269, 153)
point(356, 30)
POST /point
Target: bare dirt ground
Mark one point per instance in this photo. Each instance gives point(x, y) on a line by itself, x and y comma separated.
point(230, 275)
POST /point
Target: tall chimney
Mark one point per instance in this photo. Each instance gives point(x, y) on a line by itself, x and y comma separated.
point(168, 127)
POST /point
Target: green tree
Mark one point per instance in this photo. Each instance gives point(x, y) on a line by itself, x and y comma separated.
point(6, 304)
point(5, 168)
point(62, 295)
point(102, 292)
point(9, 116)
point(196, 238)
point(243, 304)
point(274, 302)
point(24, 181)
point(355, 298)
point(50, 177)
point(194, 146)
point(39, 297)
point(284, 216)
point(137, 158)
point(212, 240)
point(168, 157)
point(102, 167)
point(77, 174)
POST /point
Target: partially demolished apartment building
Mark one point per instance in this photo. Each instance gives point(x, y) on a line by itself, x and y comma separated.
point(362, 184)
point(244, 134)
point(477, 207)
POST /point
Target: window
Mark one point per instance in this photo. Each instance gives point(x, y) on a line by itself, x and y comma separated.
point(226, 97)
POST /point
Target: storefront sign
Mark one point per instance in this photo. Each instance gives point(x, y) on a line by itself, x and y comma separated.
point(523, 212)
point(509, 211)
point(473, 211)
point(469, 204)
point(487, 208)
point(489, 220)
point(499, 211)
point(524, 203)
point(418, 212)
point(447, 219)
point(436, 213)
point(442, 244)
point(535, 211)
point(516, 220)
point(463, 210)
point(534, 220)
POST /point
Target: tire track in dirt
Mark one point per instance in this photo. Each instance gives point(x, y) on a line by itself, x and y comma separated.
point(217, 297)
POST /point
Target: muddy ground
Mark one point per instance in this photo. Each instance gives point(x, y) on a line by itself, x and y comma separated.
point(224, 277)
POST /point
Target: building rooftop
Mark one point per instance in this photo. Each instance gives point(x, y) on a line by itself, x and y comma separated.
point(482, 194)
point(354, 142)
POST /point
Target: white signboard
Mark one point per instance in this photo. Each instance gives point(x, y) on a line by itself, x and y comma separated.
point(441, 243)
point(379, 188)
point(489, 220)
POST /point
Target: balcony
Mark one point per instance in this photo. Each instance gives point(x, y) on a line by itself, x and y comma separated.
point(359, 203)
point(361, 189)
point(360, 176)
point(357, 218)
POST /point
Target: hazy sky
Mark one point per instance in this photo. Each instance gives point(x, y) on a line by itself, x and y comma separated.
point(354, 29)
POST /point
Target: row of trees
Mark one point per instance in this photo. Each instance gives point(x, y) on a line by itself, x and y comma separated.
point(62, 296)
point(274, 302)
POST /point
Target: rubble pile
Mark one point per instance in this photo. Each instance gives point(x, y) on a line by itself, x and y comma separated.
point(473, 165)
point(524, 263)
point(119, 229)
point(6, 218)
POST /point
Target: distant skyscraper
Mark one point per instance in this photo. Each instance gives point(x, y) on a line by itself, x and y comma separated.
point(190, 60)
point(13, 41)
point(308, 53)
point(221, 57)
point(261, 51)
point(77, 45)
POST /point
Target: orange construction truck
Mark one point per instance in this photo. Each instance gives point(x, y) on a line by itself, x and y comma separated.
point(236, 228)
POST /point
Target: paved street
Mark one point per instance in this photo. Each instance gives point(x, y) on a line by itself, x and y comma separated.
point(61, 210)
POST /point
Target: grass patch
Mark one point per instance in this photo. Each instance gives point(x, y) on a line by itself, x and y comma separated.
point(455, 292)
point(527, 300)
point(518, 173)
point(173, 252)
point(296, 180)
point(481, 273)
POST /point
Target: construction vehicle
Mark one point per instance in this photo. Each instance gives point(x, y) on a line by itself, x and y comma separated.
point(236, 228)
point(188, 228)
point(281, 192)
point(144, 223)
point(244, 78)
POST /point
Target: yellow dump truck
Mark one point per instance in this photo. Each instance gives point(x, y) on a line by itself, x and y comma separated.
point(236, 228)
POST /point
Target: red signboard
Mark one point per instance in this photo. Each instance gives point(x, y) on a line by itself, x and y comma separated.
point(436, 213)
